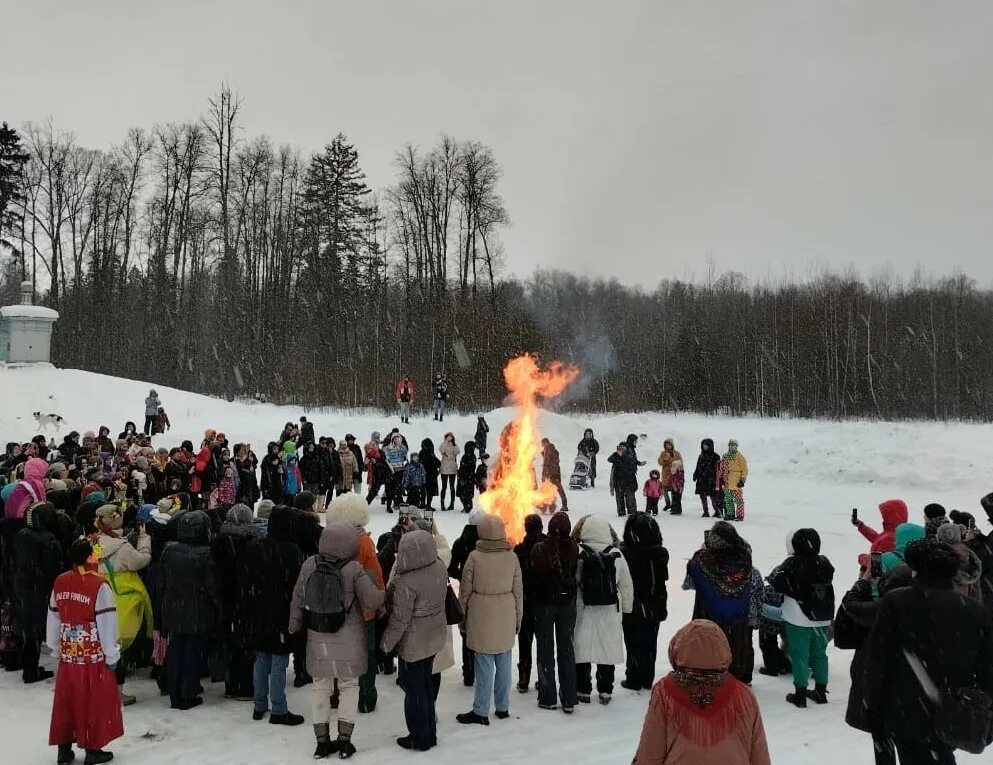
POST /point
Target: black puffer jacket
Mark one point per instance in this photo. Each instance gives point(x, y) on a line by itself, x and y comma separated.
point(648, 562)
point(705, 474)
point(463, 546)
point(533, 534)
point(229, 553)
point(807, 576)
point(274, 564)
point(38, 559)
point(187, 579)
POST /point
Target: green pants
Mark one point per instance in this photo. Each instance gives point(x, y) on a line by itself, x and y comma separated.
point(807, 648)
point(367, 682)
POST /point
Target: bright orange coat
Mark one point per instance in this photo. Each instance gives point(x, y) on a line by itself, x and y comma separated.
point(370, 562)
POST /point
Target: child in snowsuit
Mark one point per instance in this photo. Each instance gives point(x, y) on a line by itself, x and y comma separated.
point(653, 492)
point(161, 424)
point(292, 479)
point(414, 479)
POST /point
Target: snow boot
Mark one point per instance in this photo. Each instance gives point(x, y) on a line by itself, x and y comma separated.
point(553, 705)
point(344, 743)
point(630, 686)
point(66, 755)
point(97, 757)
point(407, 742)
point(288, 719)
point(819, 694)
point(36, 676)
point(471, 718)
point(126, 698)
point(505, 714)
point(584, 698)
point(325, 747)
point(605, 698)
point(798, 698)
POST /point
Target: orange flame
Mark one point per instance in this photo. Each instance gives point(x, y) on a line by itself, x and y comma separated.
point(513, 491)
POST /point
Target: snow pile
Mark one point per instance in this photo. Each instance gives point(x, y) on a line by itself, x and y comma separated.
point(802, 473)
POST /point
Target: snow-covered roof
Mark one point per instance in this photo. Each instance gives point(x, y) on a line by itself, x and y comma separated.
point(28, 312)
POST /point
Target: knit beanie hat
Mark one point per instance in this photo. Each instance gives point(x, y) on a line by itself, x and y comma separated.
point(950, 533)
point(376, 437)
point(265, 507)
point(962, 518)
point(559, 525)
point(239, 513)
point(701, 644)
point(934, 510)
point(109, 517)
point(932, 559)
point(164, 506)
point(55, 468)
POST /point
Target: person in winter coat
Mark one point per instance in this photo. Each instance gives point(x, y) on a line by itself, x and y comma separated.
point(482, 429)
point(492, 597)
point(272, 474)
point(274, 564)
point(229, 549)
point(625, 479)
point(378, 472)
point(461, 551)
point(340, 654)
point(894, 512)
point(192, 605)
point(38, 560)
point(700, 713)
point(599, 629)
point(28, 491)
point(349, 468)
point(405, 397)
point(440, 396)
point(414, 478)
point(417, 629)
point(721, 574)
point(351, 510)
point(310, 468)
point(81, 630)
point(805, 579)
point(396, 457)
point(533, 534)
point(161, 424)
point(731, 474)
point(905, 534)
point(449, 467)
point(968, 580)
point(910, 656)
point(551, 470)
point(357, 455)
point(935, 517)
point(466, 487)
point(590, 448)
point(671, 462)
point(306, 431)
point(554, 562)
point(227, 484)
point(152, 404)
point(653, 492)
point(292, 478)
point(648, 562)
point(432, 469)
point(245, 463)
point(705, 478)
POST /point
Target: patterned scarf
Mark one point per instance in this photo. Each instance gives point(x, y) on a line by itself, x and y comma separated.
point(701, 685)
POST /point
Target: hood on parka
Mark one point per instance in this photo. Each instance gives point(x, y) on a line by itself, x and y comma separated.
point(707, 445)
point(417, 549)
point(701, 644)
point(35, 469)
point(806, 543)
point(597, 530)
point(41, 517)
point(193, 528)
point(642, 531)
point(280, 527)
point(491, 527)
point(894, 512)
point(340, 542)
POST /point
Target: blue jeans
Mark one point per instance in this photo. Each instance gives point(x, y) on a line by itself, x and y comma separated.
point(270, 681)
point(492, 680)
point(439, 407)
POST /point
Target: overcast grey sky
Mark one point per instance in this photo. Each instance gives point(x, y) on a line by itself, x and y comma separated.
point(638, 139)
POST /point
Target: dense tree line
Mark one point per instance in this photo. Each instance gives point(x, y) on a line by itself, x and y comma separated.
point(193, 256)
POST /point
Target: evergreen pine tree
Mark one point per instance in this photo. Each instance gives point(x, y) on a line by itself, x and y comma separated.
point(12, 161)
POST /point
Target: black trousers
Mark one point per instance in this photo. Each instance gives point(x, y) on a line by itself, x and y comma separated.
point(149, 422)
point(239, 680)
point(884, 750)
point(742, 651)
point(652, 505)
point(677, 502)
point(924, 753)
point(183, 660)
point(557, 483)
point(525, 640)
point(626, 502)
point(641, 640)
point(554, 628)
point(604, 678)
point(418, 701)
point(468, 664)
point(394, 489)
point(30, 656)
point(374, 488)
point(448, 488)
point(774, 658)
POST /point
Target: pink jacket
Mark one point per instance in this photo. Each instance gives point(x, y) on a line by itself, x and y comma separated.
point(28, 491)
point(653, 488)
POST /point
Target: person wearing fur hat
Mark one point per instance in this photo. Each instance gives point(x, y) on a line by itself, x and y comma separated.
point(81, 630)
point(599, 630)
point(533, 534)
point(935, 517)
point(700, 713)
point(554, 561)
point(968, 580)
point(336, 656)
point(351, 509)
point(731, 474)
point(925, 637)
point(805, 580)
point(120, 562)
point(492, 598)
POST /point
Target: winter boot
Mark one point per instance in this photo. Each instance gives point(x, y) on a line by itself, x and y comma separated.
point(126, 698)
point(819, 694)
point(584, 698)
point(300, 679)
point(325, 747)
point(66, 755)
point(605, 698)
point(523, 681)
point(798, 698)
point(288, 719)
point(630, 685)
point(471, 718)
point(504, 715)
point(344, 743)
point(37, 675)
point(97, 757)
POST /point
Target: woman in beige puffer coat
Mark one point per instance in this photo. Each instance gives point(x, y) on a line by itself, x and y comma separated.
point(492, 596)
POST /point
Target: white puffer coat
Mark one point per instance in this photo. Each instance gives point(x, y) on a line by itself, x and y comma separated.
point(599, 635)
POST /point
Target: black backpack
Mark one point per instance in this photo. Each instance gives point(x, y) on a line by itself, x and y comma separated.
point(598, 579)
point(324, 597)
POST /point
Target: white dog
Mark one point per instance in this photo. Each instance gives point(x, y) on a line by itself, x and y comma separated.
point(44, 420)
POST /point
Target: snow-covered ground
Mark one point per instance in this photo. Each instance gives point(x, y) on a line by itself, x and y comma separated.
point(802, 473)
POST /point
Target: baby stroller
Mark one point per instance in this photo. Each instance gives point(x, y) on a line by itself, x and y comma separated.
point(580, 478)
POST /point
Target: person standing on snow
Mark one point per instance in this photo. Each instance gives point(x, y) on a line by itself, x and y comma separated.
point(481, 430)
point(894, 513)
point(396, 457)
point(705, 478)
point(449, 468)
point(405, 397)
point(551, 470)
point(589, 447)
point(152, 404)
point(648, 562)
point(625, 478)
point(440, 396)
point(673, 477)
point(731, 474)
point(533, 535)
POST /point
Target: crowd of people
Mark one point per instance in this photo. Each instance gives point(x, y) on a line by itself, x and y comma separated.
point(196, 567)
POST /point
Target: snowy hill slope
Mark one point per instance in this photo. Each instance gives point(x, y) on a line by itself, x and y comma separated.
point(803, 473)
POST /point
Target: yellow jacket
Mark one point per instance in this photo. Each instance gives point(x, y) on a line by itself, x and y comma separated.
point(733, 470)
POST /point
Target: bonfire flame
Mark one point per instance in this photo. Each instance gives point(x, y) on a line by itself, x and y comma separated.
point(513, 490)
